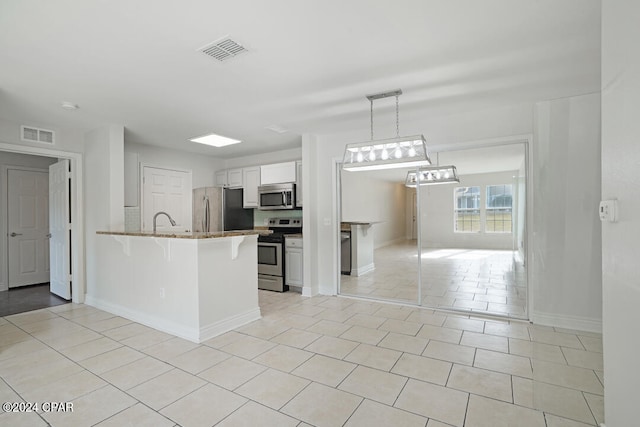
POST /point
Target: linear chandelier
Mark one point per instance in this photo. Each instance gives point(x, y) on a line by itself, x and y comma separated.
point(432, 175)
point(398, 152)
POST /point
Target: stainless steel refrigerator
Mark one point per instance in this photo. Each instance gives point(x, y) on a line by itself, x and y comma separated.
point(218, 209)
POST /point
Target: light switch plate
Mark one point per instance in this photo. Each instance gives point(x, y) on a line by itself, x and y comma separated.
point(608, 210)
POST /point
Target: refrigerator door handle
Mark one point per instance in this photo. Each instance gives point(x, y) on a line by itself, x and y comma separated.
point(205, 217)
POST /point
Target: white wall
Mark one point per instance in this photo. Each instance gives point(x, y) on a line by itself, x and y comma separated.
point(368, 199)
point(437, 205)
point(264, 159)
point(203, 167)
point(321, 151)
point(104, 191)
point(566, 240)
point(621, 180)
point(13, 159)
point(65, 139)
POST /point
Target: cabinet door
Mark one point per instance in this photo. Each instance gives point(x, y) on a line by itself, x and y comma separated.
point(298, 184)
point(221, 179)
point(235, 178)
point(278, 173)
point(293, 262)
point(251, 182)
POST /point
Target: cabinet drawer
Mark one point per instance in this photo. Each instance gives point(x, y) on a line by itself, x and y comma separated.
point(293, 242)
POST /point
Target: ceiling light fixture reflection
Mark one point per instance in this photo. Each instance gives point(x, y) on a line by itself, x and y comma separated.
point(398, 152)
point(432, 175)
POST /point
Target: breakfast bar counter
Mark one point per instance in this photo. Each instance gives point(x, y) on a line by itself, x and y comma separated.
point(192, 285)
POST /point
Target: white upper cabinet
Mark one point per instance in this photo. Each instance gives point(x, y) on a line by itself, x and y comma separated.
point(299, 184)
point(278, 173)
point(251, 178)
point(235, 178)
point(221, 179)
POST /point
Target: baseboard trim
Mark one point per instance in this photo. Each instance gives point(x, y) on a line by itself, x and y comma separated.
point(228, 324)
point(363, 270)
point(193, 334)
point(154, 322)
point(567, 322)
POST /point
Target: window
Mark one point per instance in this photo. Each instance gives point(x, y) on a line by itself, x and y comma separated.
point(499, 209)
point(466, 209)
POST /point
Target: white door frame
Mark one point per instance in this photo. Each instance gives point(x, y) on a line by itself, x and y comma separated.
point(4, 240)
point(78, 287)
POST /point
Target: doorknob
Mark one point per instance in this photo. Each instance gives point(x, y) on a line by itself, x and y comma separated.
point(48, 236)
point(14, 234)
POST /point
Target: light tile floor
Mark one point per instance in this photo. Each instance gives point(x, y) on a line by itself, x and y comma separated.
point(322, 361)
point(488, 281)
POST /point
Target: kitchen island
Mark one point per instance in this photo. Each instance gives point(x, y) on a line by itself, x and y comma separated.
point(192, 285)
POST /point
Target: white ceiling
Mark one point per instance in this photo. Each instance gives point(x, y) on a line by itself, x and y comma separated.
point(309, 65)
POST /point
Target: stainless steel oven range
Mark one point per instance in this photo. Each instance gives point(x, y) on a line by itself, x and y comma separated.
point(271, 267)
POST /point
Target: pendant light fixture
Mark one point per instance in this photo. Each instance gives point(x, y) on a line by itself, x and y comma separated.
point(398, 152)
point(430, 175)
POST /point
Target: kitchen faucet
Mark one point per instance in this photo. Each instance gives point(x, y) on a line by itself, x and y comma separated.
point(162, 213)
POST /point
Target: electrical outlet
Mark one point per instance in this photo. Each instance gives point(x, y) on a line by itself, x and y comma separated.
point(162, 293)
point(608, 210)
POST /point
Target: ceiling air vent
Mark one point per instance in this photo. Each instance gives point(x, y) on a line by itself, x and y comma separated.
point(31, 134)
point(223, 49)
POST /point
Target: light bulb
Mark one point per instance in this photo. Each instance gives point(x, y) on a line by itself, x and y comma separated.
point(397, 153)
point(412, 152)
point(429, 176)
point(437, 174)
point(359, 157)
point(385, 154)
point(446, 175)
point(372, 156)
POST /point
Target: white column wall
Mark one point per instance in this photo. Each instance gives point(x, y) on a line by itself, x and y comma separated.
point(566, 243)
point(621, 180)
point(104, 191)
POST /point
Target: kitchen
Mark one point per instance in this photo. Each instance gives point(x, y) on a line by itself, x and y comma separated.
point(232, 210)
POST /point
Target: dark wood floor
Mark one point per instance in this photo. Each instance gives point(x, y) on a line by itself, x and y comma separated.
point(27, 298)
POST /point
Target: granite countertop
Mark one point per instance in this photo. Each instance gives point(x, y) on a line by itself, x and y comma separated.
point(346, 225)
point(187, 235)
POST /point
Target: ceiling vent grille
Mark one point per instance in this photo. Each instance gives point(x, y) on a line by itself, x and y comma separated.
point(31, 134)
point(223, 49)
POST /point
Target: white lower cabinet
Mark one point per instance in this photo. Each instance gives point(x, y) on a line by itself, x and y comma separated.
point(293, 261)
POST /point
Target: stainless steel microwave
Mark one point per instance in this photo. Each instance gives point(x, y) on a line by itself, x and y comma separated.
point(277, 196)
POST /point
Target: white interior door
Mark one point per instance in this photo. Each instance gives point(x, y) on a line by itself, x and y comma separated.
point(28, 227)
point(59, 229)
point(169, 191)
